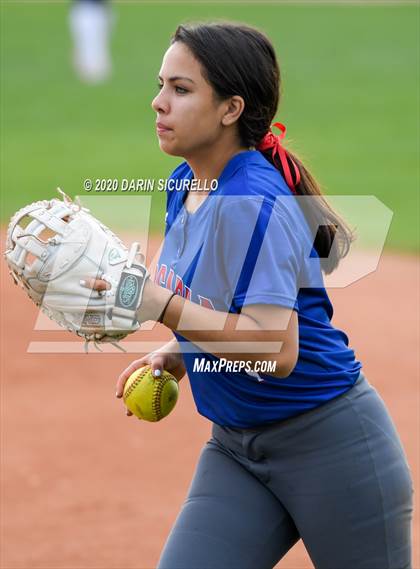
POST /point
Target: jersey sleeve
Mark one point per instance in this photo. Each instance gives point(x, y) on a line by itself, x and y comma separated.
point(173, 200)
point(260, 253)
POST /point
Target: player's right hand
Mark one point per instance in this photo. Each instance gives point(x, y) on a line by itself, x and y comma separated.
point(166, 358)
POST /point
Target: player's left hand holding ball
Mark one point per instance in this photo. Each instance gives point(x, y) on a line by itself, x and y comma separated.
point(148, 397)
point(166, 359)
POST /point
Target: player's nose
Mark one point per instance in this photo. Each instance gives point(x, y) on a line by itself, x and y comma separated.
point(159, 103)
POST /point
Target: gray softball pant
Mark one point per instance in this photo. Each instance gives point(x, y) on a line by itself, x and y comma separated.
point(336, 477)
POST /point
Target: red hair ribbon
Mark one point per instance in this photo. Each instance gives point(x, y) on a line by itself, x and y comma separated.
point(272, 141)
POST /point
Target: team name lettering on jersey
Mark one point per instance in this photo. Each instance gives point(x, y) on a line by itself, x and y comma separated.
point(166, 280)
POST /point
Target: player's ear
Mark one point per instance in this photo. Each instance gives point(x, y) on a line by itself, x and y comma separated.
point(234, 109)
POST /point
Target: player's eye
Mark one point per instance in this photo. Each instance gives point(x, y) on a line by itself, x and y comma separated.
point(159, 86)
point(181, 90)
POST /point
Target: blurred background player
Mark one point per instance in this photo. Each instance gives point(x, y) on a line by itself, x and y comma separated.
point(90, 26)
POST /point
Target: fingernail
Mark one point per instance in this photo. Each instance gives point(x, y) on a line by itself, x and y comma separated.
point(157, 373)
point(82, 282)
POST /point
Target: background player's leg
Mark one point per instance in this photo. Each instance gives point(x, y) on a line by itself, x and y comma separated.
point(90, 25)
point(229, 519)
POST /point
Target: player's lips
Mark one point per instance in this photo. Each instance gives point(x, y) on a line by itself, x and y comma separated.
point(162, 128)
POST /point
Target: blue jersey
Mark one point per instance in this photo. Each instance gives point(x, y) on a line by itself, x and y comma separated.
point(249, 243)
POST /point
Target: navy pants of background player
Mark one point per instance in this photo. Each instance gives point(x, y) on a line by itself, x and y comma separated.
point(336, 477)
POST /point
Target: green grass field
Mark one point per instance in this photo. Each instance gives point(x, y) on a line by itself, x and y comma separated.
point(350, 100)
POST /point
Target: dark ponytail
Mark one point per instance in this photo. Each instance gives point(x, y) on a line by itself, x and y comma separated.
point(239, 60)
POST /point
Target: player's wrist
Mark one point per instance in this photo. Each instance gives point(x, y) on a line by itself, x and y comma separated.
point(165, 307)
point(173, 311)
point(154, 301)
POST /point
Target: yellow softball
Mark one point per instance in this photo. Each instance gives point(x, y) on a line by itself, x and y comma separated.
point(148, 397)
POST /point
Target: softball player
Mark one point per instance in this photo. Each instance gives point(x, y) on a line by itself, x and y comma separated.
point(307, 451)
point(90, 25)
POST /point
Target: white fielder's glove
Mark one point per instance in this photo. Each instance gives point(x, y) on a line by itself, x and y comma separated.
point(53, 245)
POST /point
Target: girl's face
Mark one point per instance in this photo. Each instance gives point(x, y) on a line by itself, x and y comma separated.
point(189, 116)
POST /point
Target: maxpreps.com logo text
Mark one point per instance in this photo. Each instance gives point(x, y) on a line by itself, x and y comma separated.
point(202, 365)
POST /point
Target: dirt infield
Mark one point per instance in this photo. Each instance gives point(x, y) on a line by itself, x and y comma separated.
point(85, 487)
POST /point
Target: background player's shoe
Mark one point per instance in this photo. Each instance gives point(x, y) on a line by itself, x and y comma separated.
point(90, 25)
